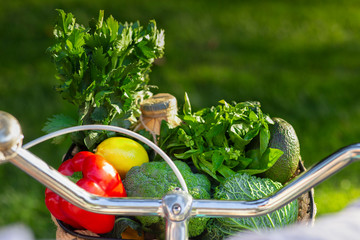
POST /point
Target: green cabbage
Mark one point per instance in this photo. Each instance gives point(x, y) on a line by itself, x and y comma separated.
point(246, 187)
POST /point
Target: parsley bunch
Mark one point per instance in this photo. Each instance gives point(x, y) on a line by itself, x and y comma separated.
point(103, 70)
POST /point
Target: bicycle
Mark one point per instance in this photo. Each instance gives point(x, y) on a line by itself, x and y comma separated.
point(176, 207)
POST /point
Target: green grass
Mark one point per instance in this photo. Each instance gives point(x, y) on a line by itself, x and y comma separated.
point(300, 59)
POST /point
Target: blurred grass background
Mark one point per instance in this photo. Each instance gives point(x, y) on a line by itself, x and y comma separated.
point(300, 59)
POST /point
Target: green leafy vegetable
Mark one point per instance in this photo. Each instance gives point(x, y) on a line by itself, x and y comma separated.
point(103, 69)
point(155, 179)
point(217, 139)
point(57, 122)
point(121, 224)
point(247, 188)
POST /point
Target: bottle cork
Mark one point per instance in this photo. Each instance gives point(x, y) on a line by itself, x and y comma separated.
point(154, 110)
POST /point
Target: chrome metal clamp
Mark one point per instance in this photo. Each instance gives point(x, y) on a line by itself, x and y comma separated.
point(177, 207)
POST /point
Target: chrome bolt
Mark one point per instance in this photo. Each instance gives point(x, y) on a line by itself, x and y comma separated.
point(176, 209)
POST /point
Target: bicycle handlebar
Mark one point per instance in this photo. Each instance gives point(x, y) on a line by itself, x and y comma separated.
point(60, 184)
point(176, 207)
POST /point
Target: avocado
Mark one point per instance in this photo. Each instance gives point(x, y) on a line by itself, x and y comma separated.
point(283, 137)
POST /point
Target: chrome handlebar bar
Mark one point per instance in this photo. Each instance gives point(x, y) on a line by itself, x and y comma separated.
point(176, 207)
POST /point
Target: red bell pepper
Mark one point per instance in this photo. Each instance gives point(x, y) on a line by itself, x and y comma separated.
point(99, 178)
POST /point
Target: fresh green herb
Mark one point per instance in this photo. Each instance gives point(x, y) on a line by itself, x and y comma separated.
point(218, 139)
point(103, 70)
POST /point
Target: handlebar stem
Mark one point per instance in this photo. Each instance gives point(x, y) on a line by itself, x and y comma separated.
point(177, 209)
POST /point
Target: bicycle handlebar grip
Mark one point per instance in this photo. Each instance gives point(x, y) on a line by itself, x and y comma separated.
point(10, 133)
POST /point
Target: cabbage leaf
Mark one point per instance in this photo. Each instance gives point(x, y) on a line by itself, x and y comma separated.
point(244, 187)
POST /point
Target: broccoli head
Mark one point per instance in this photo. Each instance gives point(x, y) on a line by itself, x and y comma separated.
point(156, 179)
